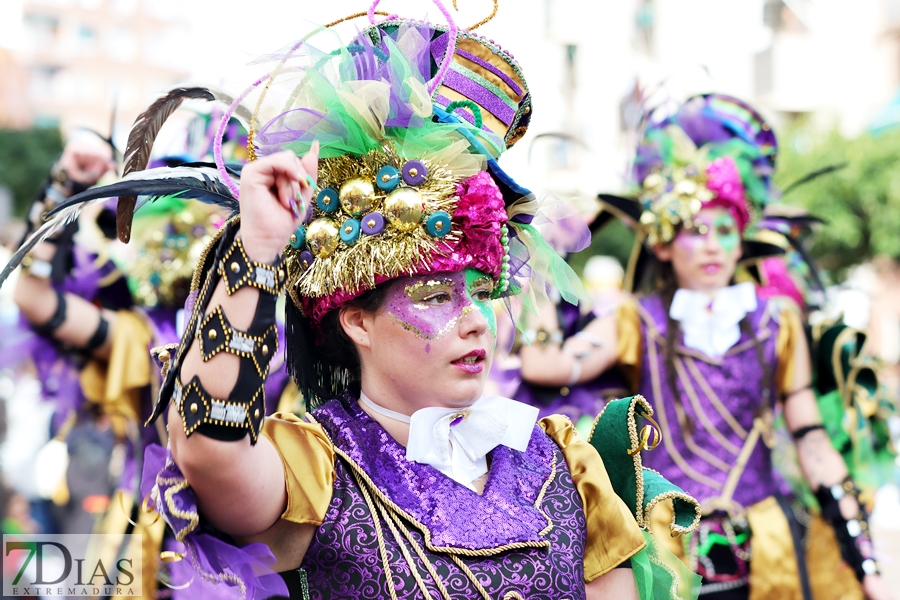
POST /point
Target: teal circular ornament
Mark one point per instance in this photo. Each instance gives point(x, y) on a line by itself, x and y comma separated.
point(438, 224)
point(388, 178)
point(350, 231)
point(298, 238)
point(328, 200)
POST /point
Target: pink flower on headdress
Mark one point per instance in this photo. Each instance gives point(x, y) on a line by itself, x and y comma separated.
point(724, 180)
point(479, 214)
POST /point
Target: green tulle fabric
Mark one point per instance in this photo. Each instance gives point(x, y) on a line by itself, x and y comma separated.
point(547, 268)
point(352, 111)
point(659, 574)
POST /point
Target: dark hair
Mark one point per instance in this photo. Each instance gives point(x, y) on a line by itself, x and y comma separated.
point(666, 284)
point(325, 363)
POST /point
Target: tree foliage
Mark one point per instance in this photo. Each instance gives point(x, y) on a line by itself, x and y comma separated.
point(860, 202)
point(25, 160)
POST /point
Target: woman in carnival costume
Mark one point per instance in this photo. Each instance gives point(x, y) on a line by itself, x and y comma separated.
point(402, 481)
point(717, 360)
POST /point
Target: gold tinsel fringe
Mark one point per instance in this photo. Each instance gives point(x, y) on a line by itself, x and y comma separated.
point(392, 252)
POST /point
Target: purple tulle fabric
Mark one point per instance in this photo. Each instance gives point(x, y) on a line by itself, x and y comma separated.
point(56, 368)
point(211, 567)
point(304, 125)
point(737, 381)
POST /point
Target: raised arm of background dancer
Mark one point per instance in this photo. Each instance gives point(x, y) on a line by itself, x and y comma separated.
point(240, 487)
point(84, 161)
point(38, 301)
point(553, 365)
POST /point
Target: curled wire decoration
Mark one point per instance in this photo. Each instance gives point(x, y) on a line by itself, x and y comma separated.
point(484, 20)
point(649, 438)
point(168, 556)
point(220, 134)
point(144, 507)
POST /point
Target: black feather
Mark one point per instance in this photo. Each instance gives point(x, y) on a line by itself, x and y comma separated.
point(205, 189)
point(140, 143)
point(814, 175)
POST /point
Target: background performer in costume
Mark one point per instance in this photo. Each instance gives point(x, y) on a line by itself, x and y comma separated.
point(717, 361)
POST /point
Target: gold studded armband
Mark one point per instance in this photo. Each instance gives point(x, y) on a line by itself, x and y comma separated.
point(243, 410)
point(239, 271)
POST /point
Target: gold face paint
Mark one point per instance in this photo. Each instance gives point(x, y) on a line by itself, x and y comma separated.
point(430, 306)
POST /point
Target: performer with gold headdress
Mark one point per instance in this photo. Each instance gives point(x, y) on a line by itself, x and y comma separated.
point(379, 208)
point(718, 360)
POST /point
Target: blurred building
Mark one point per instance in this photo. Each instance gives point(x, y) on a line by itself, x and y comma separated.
point(71, 62)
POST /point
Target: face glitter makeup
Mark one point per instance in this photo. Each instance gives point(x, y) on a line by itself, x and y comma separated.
point(431, 306)
point(723, 227)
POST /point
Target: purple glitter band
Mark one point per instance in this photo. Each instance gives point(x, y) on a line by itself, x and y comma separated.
point(480, 95)
point(486, 65)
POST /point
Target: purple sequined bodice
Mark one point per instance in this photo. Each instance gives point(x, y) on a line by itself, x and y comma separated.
point(719, 398)
point(525, 534)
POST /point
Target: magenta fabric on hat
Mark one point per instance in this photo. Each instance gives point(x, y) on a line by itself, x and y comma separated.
point(480, 213)
point(724, 180)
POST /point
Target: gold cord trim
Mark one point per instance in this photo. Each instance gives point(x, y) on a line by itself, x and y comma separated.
point(725, 501)
point(688, 437)
point(465, 569)
point(698, 408)
point(714, 399)
point(358, 471)
point(540, 498)
point(179, 484)
point(676, 581)
point(664, 421)
point(636, 457)
point(484, 20)
point(379, 534)
point(216, 578)
point(421, 554)
point(674, 528)
point(413, 568)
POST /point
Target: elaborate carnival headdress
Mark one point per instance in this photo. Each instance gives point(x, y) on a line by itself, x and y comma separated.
point(410, 117)
point(714, 150)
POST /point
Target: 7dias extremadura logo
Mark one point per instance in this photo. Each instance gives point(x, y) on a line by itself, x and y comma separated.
point(71, 565)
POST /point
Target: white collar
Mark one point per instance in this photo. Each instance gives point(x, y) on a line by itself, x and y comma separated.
point(711, 322)
point(456, 441)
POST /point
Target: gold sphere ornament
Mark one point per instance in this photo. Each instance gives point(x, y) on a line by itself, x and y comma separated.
point(322, 237)
point(404, 208)
point(357, 196)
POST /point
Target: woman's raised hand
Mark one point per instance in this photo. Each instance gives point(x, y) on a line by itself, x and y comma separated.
point(276, 193)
